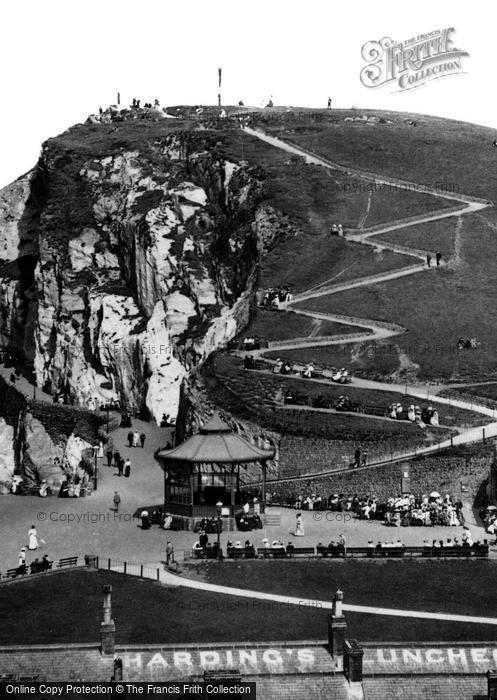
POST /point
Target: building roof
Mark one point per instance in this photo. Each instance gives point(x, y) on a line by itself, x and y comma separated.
point(216, 443)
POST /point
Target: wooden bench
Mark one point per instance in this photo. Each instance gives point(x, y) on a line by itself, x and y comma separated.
point(240, 553)
point(67, 561)
point(337, 551)
point(374, 410)
point(317, 373)
point(451, 552)
point(301, 551)
point(271, 552)
point(18, 571)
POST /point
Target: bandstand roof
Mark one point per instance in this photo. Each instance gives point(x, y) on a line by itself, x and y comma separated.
point(216, 442)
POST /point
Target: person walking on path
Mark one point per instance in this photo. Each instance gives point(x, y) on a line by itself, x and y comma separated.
point(428, 260)
point(120, 465)
point(109, 457)
point(357, 457)
point(32, 538)
point(299, 526)
point(117, 457)
point(117, 501)
point(130, 438)
point(142, 439)
point(169, 553)
point(438, 256)
point(136, 438)
point(127, 468)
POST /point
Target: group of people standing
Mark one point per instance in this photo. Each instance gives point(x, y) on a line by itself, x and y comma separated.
point(122, 465)
point(438, 259)
point(135, 439)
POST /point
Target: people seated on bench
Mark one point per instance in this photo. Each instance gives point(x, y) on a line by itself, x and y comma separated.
point(489, 517)
point(209, 525)
point(290, 549)
point(197, 550)
point(278, 549)
point(251, 342)
point(467, 539)
point(35, 566)
point(308, 370)
point(249, 550)
point(275, 296)
point(145, 518)
point(245, 522)
point(45, 563)
point(286, 368)
point(340, 376)
point(408, 510)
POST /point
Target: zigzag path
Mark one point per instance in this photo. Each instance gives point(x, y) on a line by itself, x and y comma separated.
point(373, 329)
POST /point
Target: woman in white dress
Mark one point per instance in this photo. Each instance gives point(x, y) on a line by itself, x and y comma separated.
point(32, 538)
point(299, 527)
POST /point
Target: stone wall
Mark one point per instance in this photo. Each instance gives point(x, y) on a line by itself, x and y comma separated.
point(463, 475)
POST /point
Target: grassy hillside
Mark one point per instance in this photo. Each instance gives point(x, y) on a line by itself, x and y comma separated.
point(436, 150)
point(436, 309)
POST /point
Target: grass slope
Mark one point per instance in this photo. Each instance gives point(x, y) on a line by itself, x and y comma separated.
point(66, 608)
point(453, 587)
point(456, 155)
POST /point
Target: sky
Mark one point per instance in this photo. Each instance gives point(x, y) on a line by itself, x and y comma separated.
point(63, 59)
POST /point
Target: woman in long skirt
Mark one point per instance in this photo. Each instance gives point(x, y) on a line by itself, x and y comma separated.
point(299, 527)
point(32, 538)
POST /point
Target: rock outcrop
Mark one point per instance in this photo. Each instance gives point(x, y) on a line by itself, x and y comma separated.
point(126, 257)
point(7, 456)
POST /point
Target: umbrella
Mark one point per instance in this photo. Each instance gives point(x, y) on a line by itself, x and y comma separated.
point(434, 494)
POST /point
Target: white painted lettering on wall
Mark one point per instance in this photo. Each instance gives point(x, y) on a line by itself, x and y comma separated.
point(171, 664)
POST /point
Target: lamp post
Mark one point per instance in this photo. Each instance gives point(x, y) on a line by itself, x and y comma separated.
point(219, 506)
point(95, 474)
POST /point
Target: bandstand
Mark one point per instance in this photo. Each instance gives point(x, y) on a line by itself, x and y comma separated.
point(204, 471)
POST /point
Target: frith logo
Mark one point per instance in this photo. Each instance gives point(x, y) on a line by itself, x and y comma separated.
point(412, 63)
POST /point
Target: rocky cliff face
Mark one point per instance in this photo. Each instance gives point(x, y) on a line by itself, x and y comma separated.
point(197, 407)
point(127, 256)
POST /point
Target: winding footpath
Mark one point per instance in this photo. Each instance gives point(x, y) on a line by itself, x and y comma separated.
point(370, 329)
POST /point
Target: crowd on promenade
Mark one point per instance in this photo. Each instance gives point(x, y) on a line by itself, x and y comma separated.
point(429, 509)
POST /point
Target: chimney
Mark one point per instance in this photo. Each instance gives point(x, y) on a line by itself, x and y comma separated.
point(492, 685)
point(352, 661)
point(107, 627)
point(118, 671)
point(337, 626)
